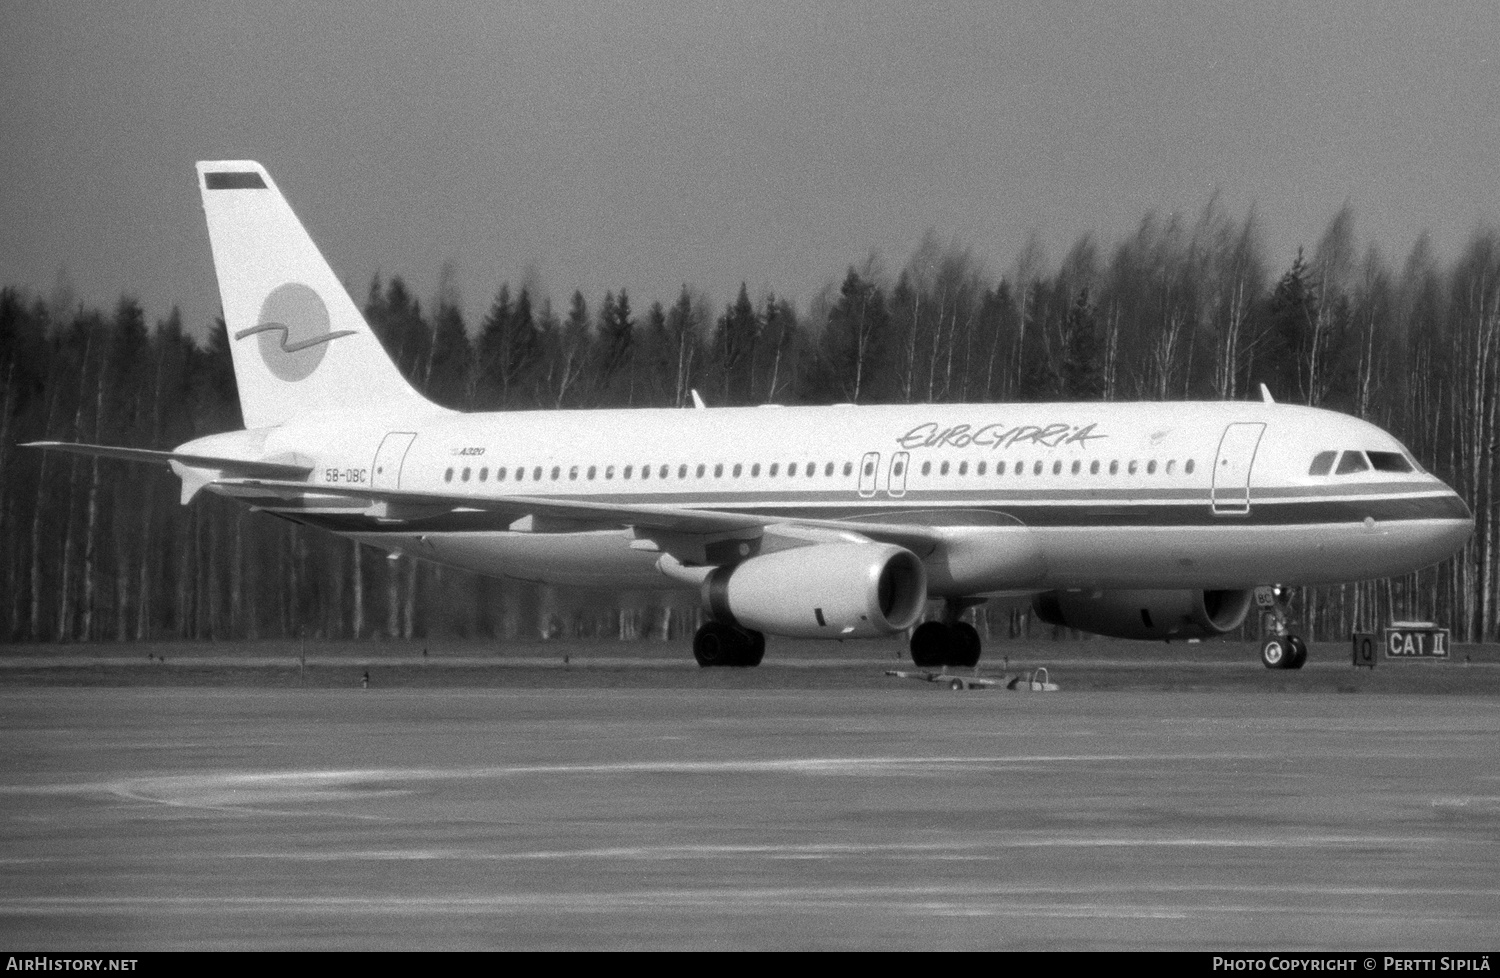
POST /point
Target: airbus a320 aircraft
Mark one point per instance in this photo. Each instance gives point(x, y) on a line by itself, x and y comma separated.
point(1136, 520)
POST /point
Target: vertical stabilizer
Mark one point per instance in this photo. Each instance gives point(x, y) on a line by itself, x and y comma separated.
point(299, 343)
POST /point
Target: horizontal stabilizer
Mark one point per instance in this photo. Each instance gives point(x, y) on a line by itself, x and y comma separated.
point(231, 466)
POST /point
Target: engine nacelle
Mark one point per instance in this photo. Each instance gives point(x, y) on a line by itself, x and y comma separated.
point(1146, 614)
point(829, 590)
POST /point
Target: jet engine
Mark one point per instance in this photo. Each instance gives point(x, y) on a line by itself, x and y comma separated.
point(1146, 614)
point(830, 590)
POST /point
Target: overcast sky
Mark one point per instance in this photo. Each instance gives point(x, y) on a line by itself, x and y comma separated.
point(649, 145)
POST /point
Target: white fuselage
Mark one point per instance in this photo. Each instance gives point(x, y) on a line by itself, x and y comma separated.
point(1027, 496)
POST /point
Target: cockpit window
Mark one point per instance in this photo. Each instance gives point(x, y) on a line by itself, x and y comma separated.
point(1322, 463)
point(1352, 462)
point(1389, 462)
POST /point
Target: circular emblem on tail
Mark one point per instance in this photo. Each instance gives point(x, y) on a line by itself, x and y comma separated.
point(293, 330)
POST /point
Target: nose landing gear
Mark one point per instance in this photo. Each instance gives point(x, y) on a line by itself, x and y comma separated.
point(1282, 649)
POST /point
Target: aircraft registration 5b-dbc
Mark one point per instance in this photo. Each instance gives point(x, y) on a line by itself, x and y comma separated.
point(1138, 520)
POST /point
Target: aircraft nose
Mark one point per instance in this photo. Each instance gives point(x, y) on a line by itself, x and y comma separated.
point(1461, 527)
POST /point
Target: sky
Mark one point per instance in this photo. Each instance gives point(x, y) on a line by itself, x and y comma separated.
point(645, 146)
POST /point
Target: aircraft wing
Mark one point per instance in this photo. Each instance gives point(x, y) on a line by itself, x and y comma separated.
point(672, 518)
point(647, 519)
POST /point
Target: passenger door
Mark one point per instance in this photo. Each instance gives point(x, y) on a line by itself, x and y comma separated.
point(386, 473)
point(1231, 485)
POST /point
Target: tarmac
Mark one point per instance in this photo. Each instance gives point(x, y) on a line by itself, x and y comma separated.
point(750, 814)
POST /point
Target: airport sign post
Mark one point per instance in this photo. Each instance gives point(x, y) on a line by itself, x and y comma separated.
point(1364, 649)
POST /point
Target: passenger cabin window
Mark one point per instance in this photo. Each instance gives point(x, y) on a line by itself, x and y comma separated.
point(1322, 463)
point(1351, 462)
point(1389, 462)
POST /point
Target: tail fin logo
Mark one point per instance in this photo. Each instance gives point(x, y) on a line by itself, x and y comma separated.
point(293, 329)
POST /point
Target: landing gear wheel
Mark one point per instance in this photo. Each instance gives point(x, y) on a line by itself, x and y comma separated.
point(756, 649)
point(718, 644)
point(715, 644)
point(929, 644)
point(935, 643)
point(965, 645)
point(1273, 655)
point(1297, 653)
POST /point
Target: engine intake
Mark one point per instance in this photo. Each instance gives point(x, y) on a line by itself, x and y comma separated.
point(1146, 614)
point(831, 590)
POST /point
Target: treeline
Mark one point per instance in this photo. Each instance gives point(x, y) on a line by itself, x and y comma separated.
point(1181, 309)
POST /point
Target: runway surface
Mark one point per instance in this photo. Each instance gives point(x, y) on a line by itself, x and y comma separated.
point(904, 817)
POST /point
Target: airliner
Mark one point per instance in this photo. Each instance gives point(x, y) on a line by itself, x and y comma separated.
point(1133, 520)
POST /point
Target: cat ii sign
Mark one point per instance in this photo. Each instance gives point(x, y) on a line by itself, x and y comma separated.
point(1416, 640)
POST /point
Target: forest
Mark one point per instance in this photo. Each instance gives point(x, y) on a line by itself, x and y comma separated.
point(1185, 307)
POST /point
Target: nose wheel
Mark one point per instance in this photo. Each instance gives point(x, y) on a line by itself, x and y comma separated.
point(1283, 649)
point(1283, 652)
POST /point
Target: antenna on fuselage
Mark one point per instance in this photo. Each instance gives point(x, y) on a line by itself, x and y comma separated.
point(698, 401)
point(1265, 394)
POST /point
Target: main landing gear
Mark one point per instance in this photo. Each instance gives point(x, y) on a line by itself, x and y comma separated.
point(1282, 649)
point(949, 642)
point(718, 644)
